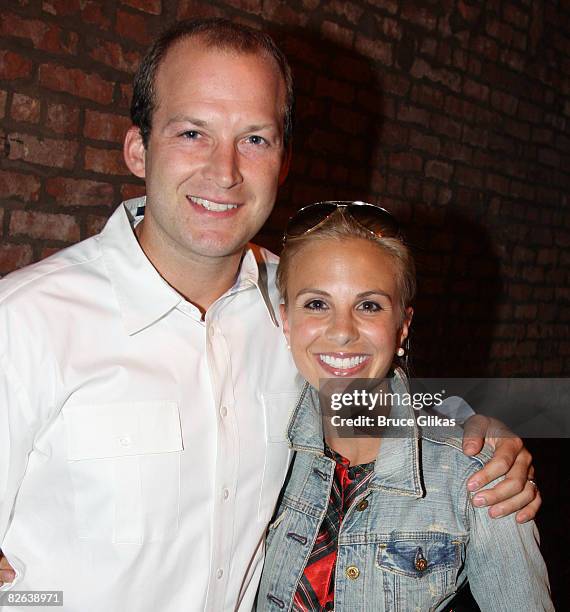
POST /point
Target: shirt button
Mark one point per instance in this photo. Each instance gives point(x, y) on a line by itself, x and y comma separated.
point(224, 412)
point(125, 440)
point(212, 331)
point(352, 572)
point(363, 505)
point(219, 574)
point(225, 493)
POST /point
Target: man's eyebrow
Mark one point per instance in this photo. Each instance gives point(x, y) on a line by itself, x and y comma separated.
point(254, 127)
point(185, 119)
point(258, 127)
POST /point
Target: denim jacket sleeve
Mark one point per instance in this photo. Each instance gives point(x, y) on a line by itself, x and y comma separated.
point(505, 554)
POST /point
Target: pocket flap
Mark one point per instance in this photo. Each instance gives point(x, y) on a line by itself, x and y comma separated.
point(419, 554)
point(98, 431)
point(278, 409)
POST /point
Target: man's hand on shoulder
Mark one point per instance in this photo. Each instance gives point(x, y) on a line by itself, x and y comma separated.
point(7, 574)
point(517, 492)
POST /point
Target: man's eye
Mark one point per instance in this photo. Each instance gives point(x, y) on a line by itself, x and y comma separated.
point(256, 140)
point(315, 305)
point(370, 306)
point(190, 134)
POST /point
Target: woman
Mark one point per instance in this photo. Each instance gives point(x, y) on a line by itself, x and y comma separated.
point(385, 522)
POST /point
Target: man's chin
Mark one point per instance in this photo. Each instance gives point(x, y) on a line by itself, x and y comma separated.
point(216, 248)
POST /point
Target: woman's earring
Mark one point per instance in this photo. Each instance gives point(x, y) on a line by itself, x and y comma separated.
point(400, 352)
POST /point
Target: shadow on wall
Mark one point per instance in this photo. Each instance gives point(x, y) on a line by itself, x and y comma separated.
point(338, 123)
point(459, 293)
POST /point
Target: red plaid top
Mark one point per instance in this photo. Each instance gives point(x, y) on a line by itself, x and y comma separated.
point(315, 591)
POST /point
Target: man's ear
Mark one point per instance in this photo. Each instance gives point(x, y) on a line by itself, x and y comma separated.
point(285, 322)
point(405, 329)
point(285, 164)
point(134, 152)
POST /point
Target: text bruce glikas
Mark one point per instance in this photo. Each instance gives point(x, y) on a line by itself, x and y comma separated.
point(359, 398)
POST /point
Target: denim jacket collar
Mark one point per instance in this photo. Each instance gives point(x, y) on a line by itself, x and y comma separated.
point(397, 467)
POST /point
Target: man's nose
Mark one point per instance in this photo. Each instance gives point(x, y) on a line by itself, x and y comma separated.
point(342, 329)
point(223, 166)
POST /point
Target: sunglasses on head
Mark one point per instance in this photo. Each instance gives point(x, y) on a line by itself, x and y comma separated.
point(376, 220)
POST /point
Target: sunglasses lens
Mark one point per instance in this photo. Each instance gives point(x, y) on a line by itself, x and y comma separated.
point(371, 217)
point(375, 219)
point(309, 217)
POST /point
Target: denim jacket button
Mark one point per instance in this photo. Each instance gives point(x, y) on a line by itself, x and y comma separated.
point(352, 572)
point(363, 505)
point(421, 564)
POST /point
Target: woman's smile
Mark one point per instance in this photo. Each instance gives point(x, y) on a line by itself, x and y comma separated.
point(342, 364)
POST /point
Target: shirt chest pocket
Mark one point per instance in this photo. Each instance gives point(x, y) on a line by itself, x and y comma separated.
point(419, 569)
point(124, 465)
point(277, 407)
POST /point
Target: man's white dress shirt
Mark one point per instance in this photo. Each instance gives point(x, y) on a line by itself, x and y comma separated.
point(142, 449)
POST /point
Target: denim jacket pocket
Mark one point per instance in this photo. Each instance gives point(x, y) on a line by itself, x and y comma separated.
point(419, 569)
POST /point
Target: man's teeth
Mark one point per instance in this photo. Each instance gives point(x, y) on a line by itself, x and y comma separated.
point(343, 363)
point(213, 205)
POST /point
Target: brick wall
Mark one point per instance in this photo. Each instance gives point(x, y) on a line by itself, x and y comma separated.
point(454, 114)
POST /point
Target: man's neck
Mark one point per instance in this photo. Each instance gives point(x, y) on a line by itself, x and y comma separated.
point(200, 280)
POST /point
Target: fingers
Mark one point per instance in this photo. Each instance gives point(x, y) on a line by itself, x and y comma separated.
point(474, 430)
point(526, 503)
point(510, 458)
point(513, 494)
point(505, 498)
point(7, 574)
point(529, 512)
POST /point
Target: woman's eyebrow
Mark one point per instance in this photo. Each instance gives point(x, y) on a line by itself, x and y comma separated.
point(375, 292)
point(311, 290)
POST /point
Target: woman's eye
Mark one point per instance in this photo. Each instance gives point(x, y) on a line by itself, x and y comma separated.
point(315, 305)
point(370, 306)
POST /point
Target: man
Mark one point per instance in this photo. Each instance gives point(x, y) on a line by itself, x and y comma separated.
point(145, 383)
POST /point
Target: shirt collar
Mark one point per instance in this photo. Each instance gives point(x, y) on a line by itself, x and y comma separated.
point(253, 272)
point(397, 467)
point(144, 296)
point(305, 429)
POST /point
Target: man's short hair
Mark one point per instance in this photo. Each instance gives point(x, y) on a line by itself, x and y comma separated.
point(217, 33)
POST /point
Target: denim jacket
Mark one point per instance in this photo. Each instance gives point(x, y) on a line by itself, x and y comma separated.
point(416, 538)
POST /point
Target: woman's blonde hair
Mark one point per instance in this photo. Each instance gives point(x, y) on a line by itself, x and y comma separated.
point(339, 226)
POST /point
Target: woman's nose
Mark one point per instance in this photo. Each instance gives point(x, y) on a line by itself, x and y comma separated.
point(342, 329)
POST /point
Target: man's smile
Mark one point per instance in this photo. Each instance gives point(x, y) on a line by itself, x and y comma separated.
point(211, 205)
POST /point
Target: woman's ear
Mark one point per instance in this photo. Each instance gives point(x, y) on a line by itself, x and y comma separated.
point(405, 329)
point(134, 152)
point(285, 322)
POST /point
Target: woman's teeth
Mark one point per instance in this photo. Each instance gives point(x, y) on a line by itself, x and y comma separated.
point(342, 363)
point(208, 205)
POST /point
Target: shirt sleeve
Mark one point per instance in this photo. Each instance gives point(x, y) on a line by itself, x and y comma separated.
point(17, 431)
point(504, 565)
